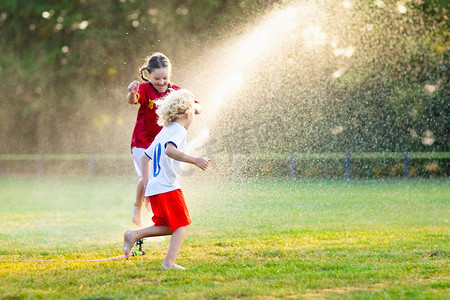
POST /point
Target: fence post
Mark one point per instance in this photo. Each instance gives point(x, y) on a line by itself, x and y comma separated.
point(347, 165)
point(406, 165)
point(91, 165)
point(42, 165)
point(292, 165)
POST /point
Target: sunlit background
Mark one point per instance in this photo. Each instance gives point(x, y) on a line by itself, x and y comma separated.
point(272, 76)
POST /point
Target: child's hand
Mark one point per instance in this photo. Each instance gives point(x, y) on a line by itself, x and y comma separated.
point(133, 87)
point(202, 163)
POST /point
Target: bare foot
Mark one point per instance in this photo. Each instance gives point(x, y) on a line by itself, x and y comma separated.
point(137, 218)
point(128, 243)
point(174, 267)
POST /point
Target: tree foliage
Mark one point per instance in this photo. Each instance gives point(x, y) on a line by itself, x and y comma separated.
point(65, 65)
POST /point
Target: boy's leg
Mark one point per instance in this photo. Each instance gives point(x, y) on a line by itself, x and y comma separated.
point(137, 207)
point(131, 236)
point(176, 242)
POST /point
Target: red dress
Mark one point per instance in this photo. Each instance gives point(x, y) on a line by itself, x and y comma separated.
point(146, 127)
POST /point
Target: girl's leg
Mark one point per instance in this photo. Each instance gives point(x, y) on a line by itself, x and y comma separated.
point(176, 242)
point(131, 236)
point(137, 207)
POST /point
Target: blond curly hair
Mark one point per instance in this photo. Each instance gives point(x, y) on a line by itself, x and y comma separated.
point(175, 106)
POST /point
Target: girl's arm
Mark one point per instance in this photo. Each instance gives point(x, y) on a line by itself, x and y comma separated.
point(132, 90)
point(174, 153)
point(198, 108)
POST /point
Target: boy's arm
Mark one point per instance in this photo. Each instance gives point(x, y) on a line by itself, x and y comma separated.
point(174, 153)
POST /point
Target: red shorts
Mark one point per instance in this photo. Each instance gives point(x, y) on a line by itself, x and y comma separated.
point(169, 209)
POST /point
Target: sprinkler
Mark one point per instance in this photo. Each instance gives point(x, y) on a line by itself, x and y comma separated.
point(139, 243)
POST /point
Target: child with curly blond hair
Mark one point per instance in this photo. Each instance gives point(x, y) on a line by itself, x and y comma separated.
point(159, 165)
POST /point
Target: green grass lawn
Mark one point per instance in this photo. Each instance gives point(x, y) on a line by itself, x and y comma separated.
point(265, 238)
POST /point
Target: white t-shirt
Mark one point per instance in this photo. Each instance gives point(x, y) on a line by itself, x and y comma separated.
point(163, 177)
